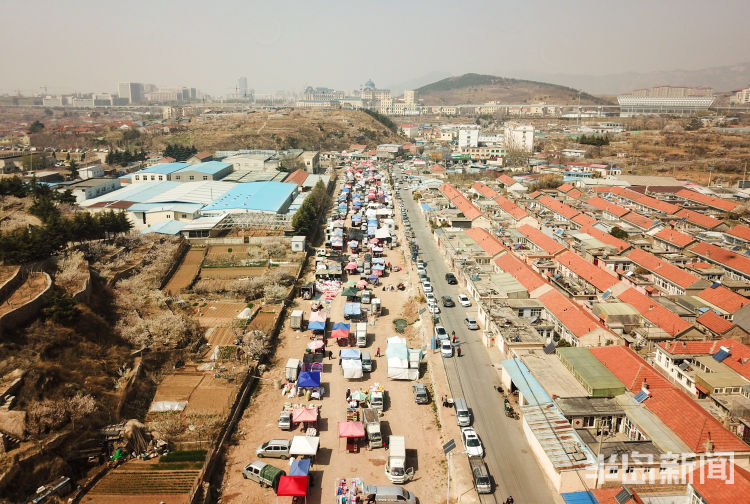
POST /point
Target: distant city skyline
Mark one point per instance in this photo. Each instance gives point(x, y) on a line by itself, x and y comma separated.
point(91, 48)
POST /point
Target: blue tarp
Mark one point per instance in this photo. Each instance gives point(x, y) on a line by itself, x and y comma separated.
point(351, 353)
point(316, 326)
point(372, 222)
point(341, 325)
point(579, 498)
point(352, 309)
point(300, 467)
point(356, 218)
point(380, 267)
point(309, 379)
point(532, 391)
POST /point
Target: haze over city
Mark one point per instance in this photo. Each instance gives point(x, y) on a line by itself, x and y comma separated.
point(89, 46)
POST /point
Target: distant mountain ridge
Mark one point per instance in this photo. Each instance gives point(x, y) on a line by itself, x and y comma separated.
point(721, 78)
point(472, 88)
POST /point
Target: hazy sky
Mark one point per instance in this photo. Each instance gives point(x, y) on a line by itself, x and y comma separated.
point(280, 44)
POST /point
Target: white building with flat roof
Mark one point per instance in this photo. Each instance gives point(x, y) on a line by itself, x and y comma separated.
point(519, 136)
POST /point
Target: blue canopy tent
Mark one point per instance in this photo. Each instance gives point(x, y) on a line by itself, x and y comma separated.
point(341, 325)
point(316, 326)
point(308, 379)
point(351, 353)
point(380, 267)
point(352, 310)
point(300, 467)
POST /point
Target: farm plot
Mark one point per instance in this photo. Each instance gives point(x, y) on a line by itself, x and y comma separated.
point(218, 313)
point(231, 273)
point(185, 273)
point(265, 319)
point(135, 479)
point(6, 272)
point(220, 336)
point(204, 393)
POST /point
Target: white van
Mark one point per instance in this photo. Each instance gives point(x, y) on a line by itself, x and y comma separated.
point(463, 417)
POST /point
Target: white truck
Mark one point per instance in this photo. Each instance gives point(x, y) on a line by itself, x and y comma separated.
point(361, 332)
point(396, 469)
point(371, 419)
point(376, 398)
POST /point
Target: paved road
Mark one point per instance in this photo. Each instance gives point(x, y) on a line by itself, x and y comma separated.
point(472, 376)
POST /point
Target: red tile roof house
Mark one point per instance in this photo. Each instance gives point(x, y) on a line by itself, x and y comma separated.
point(573, 324)
point(738, 235)
point(484, 190)
point(697, 429)
point(723, 300)
point(660, 323)
point(705, 200)
point(605, 238)
point(538, 242)
point(509, 210)
point(561, 210)
point(464, 206)
point(668, 277)
point(610, 211)
point(697, 221)
point(736, 265)
point(532, 281)
point(673, 240)
point(596, 280)
point(491, 245)
point(718, 482)
point(717, 327)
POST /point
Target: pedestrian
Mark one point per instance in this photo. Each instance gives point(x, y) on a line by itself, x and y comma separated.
point(348, 394)
point(459, 351)
point(377, 352)
point(454, 337)
point(510, 500)
point(330, 355)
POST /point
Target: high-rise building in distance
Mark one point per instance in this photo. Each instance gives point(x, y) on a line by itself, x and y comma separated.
point(242, 87)
point(131, 92)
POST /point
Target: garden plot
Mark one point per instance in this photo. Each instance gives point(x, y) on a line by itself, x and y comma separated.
point(265, 319)
point(218, 313)
point(185, 273)
point(32, 287)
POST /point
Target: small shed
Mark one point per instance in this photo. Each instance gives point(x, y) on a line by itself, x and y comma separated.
point(298, 243)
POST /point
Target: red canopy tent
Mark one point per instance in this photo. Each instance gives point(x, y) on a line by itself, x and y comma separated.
point(300, 415)
point(339, 333)
point(353, 432)
point(293, 486)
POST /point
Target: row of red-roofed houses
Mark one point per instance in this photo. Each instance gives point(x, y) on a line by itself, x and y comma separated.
point(653, 409)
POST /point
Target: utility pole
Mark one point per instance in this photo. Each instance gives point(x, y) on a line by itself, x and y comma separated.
point(710, 172)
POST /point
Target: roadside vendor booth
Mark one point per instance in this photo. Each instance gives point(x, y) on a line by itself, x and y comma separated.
point(341, 331)
point(312, 362)
point(352, 311)
point(351, 363)
point(309, 383)
point(308, 417)
point(317, 322)
point(304, 446)
point(294, 487)
point(353, 432)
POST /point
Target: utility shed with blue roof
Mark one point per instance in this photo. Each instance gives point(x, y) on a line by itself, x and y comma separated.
point(210, 170)
point(157, 173)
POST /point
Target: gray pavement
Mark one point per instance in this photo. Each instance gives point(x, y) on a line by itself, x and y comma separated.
point(473, 377)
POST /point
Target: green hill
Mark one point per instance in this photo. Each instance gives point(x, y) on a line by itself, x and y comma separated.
point(478, 88)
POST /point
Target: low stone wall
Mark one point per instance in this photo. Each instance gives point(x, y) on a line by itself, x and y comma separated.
point(26, 311)
point(84, 294)
point(12, 284)
point(176, 261)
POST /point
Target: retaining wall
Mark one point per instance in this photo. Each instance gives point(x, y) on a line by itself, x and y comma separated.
point(26, 311)
point(12, 284)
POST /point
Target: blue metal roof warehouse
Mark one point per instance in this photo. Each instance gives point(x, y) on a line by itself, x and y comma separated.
point(255, 197)
point(209, 167)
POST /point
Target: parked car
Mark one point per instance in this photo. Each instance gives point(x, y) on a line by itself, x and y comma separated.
point(448, 302)
point(446, 348)
point(430, 297)
point(275, 448)
point(440, 332)
point(471, 442)
point(481, 476)
point(464, 301)
point(451, 279)
point(420, 393)
point(433, 308)
point(471, 323)
point(427, 286)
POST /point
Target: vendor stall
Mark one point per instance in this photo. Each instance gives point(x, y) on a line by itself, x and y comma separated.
point(294, 487)
point(353, 432)
point(304, 446)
